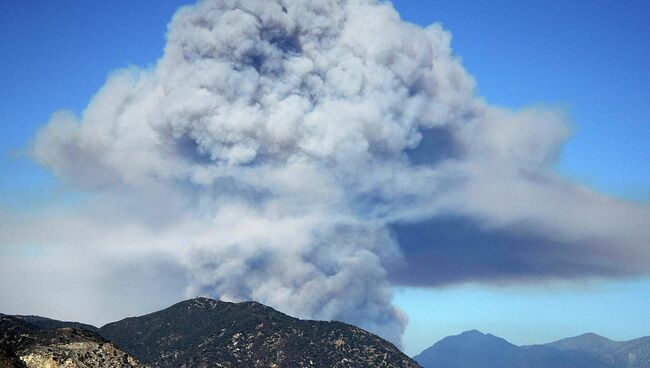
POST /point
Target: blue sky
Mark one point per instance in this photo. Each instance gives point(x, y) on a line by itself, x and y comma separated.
point(56, 55)
point(590, 58)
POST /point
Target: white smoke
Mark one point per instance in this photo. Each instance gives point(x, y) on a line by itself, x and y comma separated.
point(274, 143)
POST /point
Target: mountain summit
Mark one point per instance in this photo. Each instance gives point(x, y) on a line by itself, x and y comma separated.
point(204, 332)
point(469, 349)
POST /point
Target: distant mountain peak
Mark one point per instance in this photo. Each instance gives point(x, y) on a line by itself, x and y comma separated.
point(476, 337)
point(585, 338)
point(474, 349)
point(478, 334)
point(589, 341)
point(590, 335)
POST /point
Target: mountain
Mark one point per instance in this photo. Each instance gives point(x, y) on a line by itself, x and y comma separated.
point(589, 342)
point(48, 323)
point(195, 333)
point(616, 354)
point(203, 332)
point(473, 349)
point(469, 349)
point(23, 344)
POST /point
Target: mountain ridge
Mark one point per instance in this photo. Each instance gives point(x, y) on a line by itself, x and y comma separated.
point(49, 323)
point(588, 350)
point(199, 332)
point(247, 334)
point(202, 332)
point(634, 353)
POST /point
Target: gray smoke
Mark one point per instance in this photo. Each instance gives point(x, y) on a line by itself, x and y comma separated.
point(274, 144)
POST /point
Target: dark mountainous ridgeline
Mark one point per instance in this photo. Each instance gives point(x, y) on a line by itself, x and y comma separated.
point(204, 332)
point(199, 332)
point(45, 323)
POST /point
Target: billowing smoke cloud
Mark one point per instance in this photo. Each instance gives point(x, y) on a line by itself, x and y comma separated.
point(281, 150)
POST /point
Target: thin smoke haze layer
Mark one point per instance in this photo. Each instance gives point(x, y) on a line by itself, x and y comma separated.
point(275, 144)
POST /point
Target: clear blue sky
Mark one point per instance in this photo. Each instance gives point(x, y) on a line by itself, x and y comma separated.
point(589, 57)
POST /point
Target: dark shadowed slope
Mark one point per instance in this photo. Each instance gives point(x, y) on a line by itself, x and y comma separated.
point(48, 323)
point(206, 333)
point(473, 349)
point(26, 345)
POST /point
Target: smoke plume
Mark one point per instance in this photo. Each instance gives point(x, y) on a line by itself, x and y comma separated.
point(280, 151)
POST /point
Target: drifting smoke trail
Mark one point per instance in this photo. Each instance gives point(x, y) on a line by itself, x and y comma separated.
point(286, 137)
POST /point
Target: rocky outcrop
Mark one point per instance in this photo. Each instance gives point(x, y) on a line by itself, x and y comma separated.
point(26, 345)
